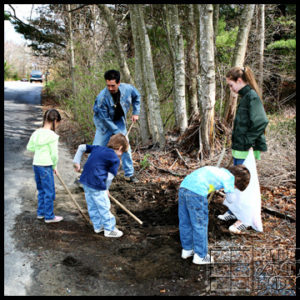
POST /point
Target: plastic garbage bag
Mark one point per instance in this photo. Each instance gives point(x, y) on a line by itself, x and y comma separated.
point(247, 204)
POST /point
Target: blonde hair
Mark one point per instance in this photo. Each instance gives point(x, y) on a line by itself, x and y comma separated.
point(118, 140)
point(246, 74)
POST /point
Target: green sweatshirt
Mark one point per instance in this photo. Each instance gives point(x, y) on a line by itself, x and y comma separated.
point(44, 144)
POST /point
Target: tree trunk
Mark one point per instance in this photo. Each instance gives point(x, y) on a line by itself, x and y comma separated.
point(216, 23)
point(140, 78)
point(207, 78)
point(71, 48)
point(156, 125)
point(191, 61)
point(261, 43)
point(179, 72)
point(117, 48)
point(238, 58)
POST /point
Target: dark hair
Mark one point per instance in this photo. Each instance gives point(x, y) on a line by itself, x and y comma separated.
point(246, 74)
point(118, 140)
point(112, 75)
point(241, 176)
point(52, 115)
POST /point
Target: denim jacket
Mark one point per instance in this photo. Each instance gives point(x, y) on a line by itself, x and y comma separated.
point(104, 109)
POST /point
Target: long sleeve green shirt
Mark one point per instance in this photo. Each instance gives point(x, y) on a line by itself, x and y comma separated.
point(44, 143)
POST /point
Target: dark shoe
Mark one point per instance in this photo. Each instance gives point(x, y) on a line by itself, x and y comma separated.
point(133, 179)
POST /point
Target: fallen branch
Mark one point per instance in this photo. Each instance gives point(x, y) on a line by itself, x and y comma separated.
point(276, 213)
point(166, 171)
point(178, 153)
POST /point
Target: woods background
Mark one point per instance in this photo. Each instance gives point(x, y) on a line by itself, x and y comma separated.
point(176, 55)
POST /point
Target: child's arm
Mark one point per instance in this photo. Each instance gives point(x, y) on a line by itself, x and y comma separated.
point(77, 158)
point(109, 179)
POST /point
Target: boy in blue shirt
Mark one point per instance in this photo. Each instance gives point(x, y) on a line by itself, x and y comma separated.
point(98, 172)
point(193, 205)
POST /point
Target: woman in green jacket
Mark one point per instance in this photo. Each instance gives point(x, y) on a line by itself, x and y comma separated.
point(249, 125)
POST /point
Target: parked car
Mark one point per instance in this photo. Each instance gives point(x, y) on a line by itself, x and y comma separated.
point(24, 79)
point(36, 76)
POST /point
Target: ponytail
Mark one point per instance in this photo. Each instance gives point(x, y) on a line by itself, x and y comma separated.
point(52, 115)
point(246, 74)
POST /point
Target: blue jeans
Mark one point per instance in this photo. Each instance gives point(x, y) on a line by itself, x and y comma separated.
point(193, 221)
point(46, 191)
point(102, 140)
point(238, 161)
point(99, 208)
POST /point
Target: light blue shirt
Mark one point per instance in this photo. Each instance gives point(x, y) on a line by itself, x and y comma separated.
point(207, 179)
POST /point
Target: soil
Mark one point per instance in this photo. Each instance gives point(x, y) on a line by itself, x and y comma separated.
point(70, 259)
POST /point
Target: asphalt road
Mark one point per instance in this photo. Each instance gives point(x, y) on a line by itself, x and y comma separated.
point(22, 115)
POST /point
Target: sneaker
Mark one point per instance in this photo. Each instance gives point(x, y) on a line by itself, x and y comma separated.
point(186, 253)
point(133, 179)
point(238, 229)
point(114, 233)
point(40, 217)
point(202, 261)
point(54, 220)
point(227, 216)
point(99, 230)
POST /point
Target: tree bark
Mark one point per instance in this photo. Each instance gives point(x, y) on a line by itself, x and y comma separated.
point(179, 66)
point(207, 78)
point(117, 48)
point(261, 43)
point(239, 58)
point(140, 78)
point(71, 48)
point(191, 61)
point(156, 125)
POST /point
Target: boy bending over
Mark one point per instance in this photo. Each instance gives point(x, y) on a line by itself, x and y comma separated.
point(193, 206)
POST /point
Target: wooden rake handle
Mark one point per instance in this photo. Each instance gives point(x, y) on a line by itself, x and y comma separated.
point(73, 199)
point(125, 209)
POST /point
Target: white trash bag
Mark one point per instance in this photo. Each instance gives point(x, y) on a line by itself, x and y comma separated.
point(247, 205)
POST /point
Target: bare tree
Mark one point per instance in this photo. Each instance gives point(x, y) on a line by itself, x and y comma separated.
point(207, 86)
point(140, 77)
point(261, 43)
point(178, 63)
point(117, 48)
point(155, 121)
point(191, 61)
point(239, 57)
point(71, 48)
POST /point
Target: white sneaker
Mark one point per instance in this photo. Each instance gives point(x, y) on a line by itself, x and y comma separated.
point(202, 261)
point(99, 230)
point(54, 220)
point(186, 253)
point(227, 216)
point(114, 233)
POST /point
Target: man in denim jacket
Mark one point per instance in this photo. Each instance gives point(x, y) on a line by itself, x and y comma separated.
point(110, 110)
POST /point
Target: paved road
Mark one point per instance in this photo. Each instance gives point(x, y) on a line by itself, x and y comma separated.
point(22, 115)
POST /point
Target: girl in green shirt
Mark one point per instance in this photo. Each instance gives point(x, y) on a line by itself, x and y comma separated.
point(44, 143)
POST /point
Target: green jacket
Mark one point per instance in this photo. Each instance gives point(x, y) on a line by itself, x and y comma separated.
point(44, 144)
point(250, 122)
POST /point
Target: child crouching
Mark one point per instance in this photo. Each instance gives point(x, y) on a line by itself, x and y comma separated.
point(98, 172)
point(193, 206)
